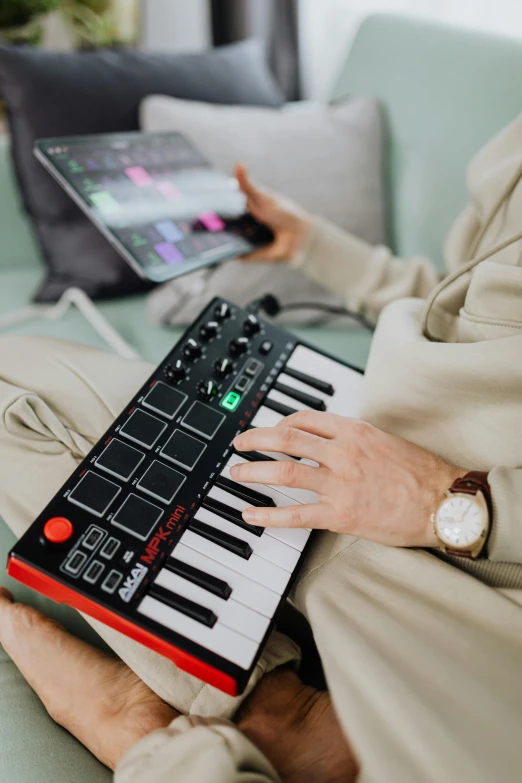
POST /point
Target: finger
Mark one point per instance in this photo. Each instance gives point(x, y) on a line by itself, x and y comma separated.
point(308, 516)
point(283, 474)
point(251, 191)
point(323, 425)
point(284, 440)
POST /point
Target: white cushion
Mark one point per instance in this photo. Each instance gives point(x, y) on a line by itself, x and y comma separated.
point(327, 158)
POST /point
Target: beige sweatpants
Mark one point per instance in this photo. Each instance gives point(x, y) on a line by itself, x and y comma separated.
point(424, 663)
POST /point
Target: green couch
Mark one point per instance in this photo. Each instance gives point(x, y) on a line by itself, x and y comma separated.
point(445, 92)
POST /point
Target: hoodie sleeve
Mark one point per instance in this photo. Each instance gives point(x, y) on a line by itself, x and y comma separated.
point(366, 277)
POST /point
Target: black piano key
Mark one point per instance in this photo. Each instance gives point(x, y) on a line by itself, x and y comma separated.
point(255, 456)
point(233, 544)
point(307, 399)
point(245, 493)
point(232, 514)
point(279, 407)
point(258, 456)
point(183, 605)
point(315, 383)
point(200, 578)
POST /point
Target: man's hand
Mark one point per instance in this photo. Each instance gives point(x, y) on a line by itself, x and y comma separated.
point(370, 484)
point(290, 224)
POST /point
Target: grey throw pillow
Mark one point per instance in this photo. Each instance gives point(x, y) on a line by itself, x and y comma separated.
point(327, 158)
point(51, 94)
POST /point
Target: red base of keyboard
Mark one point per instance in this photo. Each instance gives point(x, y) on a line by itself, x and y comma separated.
point(63, 595)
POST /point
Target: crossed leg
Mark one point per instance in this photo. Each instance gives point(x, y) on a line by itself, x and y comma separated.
point(103, 703)
point(56, 399)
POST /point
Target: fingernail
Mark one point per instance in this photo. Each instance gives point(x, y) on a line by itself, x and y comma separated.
point(250, 515)
point(234, 471)
point(237, 442)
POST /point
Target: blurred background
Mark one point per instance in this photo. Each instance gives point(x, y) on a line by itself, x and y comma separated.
point(392, 123)
point(308, 39)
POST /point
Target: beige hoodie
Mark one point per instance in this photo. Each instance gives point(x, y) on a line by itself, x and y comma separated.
point(445, 370)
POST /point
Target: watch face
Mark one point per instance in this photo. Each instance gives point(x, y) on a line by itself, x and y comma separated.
point(459, 522)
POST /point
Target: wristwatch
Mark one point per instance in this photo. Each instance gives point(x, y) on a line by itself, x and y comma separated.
point(463, 520)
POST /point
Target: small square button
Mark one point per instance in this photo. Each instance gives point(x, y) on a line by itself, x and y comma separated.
point(112, 581)
point(94, 494)
point(93, 538)
point(161, 482)
point(110, 548)
point(242, 384)
point(203, 420)
point(138, 517)
point(120, 460)
point(165, 400)
point(94, 572)
point(183, 450)
point(143, 429)
point(75, 564)
point(252, 367)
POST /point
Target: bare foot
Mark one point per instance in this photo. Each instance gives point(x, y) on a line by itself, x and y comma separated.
point(295, 726)
point(91, 694)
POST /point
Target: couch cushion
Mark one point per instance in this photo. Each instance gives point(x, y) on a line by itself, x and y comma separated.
point(128, 315)
point(52, 94)
point(445, 92)
point(328, 159)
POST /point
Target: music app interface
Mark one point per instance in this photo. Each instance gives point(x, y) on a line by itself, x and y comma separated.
point(157, 195)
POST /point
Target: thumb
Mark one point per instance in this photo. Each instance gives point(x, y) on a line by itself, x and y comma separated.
point(254, 194)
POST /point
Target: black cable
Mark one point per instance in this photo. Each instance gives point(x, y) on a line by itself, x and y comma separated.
point(270, 305)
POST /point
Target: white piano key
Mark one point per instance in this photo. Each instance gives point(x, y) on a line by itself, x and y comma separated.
point(256, 568)
point(264, 546)
point(278, 456)
point(221, 640)
point(296, 494)
point(295, 537)
point(347, 383)
point(230, 613)
point(266, 418)
point(244, 590)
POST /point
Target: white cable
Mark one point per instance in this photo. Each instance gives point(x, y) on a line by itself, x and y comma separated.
point(77, 297)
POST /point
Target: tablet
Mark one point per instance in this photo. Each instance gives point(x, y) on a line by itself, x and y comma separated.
point(164, 208)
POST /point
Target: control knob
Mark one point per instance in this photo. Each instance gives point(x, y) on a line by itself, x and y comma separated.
point(239, 346)
point(222, 312)
point(209, 330)
point(223, 367)
point(176, 372)
point(251, 326)
point(191, 350)
point(207, 390)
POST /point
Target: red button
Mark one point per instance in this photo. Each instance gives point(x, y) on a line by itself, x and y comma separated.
point(58, 530)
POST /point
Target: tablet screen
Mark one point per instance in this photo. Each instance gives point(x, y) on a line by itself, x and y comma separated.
point(156, 198)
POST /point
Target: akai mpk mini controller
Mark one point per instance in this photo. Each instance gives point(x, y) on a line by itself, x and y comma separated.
point(147, 534)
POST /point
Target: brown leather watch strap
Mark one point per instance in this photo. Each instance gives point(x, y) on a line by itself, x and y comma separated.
point(470, 484)
point(473, 482)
